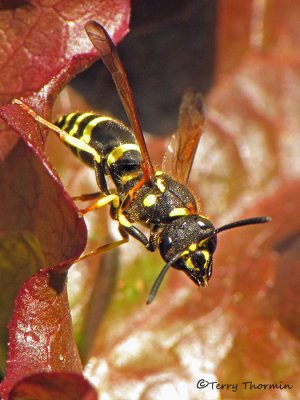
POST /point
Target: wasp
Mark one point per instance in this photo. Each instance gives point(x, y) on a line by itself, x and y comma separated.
point(155, 199)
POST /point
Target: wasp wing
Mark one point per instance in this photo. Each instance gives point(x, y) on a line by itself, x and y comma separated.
point(108, 52)
point(181, 150)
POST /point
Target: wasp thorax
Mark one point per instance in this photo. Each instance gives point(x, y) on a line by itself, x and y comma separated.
point(193, 237)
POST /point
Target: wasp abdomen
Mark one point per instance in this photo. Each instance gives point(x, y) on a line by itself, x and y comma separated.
point(119, 154)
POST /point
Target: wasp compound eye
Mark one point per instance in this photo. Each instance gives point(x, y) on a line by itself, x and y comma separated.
point(184, 234)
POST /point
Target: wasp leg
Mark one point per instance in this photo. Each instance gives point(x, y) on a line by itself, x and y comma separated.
point(153, 239)
point(64, 136)
point(111, 198)
point(126, 227)
point(104, 248)
point(87, 196)
point(100, 177)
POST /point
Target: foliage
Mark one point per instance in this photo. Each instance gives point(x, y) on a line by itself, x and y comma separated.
point(245, 326)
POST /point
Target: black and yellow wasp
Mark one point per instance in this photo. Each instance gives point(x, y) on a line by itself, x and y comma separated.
point(143, 195)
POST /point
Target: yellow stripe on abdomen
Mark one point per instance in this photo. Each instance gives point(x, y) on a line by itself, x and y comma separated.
point(79, 119)
point(117, 152)
point(87, 131)
point(68, 118)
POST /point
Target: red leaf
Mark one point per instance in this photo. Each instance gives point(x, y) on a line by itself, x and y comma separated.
point(49, 386)
point(244, 326)
point(39, 39)
point(45, 46)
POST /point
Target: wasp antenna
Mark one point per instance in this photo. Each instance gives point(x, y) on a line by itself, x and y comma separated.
point(157, 283)
point(109, 55)
point(243, 222)
point(160, 278)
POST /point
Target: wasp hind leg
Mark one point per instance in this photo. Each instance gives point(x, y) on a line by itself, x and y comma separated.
point(63, 135)
point(104, 200)
point(101, 181)
point(87, 196)
point(104, 248)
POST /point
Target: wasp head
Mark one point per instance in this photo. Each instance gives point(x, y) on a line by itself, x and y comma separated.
point(194, 238)
point(188, 244)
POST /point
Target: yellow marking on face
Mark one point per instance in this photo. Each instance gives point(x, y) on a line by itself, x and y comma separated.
point(79, 119)
point(117, 152)
point(193, 247)
point(124, 221)
point(184, 253)
point(189, 264)
point(205, 281)
point(160, 185)
point(86, 134)
point(202, 243)
point(67, 120)
point(149, 200)
point(178, 212)
point(207, 255)
point(158, 173)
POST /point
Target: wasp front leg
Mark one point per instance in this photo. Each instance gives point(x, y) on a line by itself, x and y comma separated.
point(126, 227)
point(153, 238)
point(151, 244)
